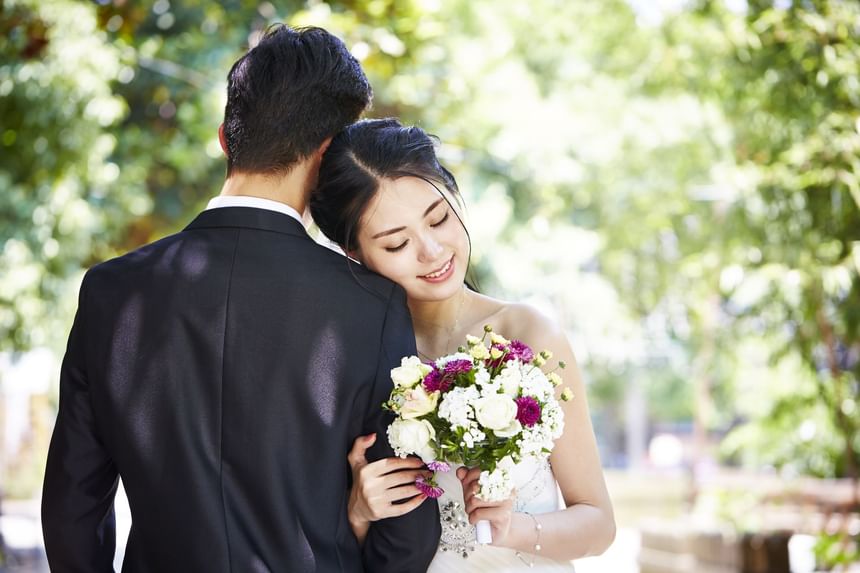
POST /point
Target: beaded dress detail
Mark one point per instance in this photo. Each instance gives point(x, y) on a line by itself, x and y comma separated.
point(537, 492)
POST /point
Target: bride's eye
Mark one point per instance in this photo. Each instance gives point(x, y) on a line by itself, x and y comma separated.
point(397, 248)
point(442, 220)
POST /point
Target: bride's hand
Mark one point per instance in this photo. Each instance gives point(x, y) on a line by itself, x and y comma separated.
point(498, 513)
point(377, 486)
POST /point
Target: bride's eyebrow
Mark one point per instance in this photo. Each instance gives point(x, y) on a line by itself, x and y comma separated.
point(388, 232)
point(398, 229)
point(433, 206)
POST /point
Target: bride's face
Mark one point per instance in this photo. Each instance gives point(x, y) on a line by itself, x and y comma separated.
point(411, 235)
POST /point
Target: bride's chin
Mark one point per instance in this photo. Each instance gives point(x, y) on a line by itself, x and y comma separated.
point(435, 293)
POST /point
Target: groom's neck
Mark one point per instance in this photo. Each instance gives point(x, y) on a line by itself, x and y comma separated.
point(292, 189)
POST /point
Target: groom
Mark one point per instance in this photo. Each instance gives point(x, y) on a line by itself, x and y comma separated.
point(224, 371)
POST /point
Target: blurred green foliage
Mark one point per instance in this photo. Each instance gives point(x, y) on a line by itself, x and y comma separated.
point(789, 249)
point(681, 192)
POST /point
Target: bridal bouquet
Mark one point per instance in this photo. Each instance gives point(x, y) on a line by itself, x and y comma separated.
point(488, 406)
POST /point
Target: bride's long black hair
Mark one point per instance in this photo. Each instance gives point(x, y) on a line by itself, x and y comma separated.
point(356, 161)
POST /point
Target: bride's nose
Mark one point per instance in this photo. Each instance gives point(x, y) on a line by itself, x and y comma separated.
point(430, 249)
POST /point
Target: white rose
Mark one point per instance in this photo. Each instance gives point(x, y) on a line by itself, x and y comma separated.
point(510, 379)
point(418, 402)
point(412, 437)
point(512, 430)
point(410, 372)
point(496, 412)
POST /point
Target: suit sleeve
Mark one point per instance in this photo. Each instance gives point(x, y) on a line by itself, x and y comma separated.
point(409, 542)
point(80, 477)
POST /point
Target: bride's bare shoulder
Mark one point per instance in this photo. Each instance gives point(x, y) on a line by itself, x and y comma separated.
point(520, 321)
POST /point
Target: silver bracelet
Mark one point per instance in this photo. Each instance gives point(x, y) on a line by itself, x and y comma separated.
point(537, 547)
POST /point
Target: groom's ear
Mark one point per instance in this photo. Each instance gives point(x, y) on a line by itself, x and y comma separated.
point(222, 139)
point(322, 148)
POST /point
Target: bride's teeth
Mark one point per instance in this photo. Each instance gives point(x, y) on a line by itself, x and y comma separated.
point(440, 272)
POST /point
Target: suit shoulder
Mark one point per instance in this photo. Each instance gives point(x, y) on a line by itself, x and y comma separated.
point(137, 258)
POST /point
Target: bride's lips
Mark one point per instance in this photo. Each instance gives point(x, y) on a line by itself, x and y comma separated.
point(441, 274)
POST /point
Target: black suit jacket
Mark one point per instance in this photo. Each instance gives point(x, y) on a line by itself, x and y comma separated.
point(223, 373)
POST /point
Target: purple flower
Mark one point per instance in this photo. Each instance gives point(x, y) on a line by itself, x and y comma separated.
point(437, 466)
point(519, 351)
point(436, 380)
point(528, 411)
point(428, 487)
point(458, 366)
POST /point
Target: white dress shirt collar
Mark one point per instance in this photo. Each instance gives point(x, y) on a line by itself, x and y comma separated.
point(256, 202)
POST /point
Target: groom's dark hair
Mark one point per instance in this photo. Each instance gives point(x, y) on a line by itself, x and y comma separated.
point(289, 93)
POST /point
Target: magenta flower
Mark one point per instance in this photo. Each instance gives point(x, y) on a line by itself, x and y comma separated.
point(519, 351)
point(436, 380)
point(528, 411)
point(458, 366)
point(428, 487)
point(437, 466)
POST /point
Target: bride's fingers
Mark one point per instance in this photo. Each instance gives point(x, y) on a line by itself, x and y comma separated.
point(396, 510)
point(399, 464)
point(468, 476)
point(387, 466)
point(470, 489)
point(356, 456)
point(379, 492)
point(404, 477)
point(497, 516)
point(400, 493)
point(475, 503)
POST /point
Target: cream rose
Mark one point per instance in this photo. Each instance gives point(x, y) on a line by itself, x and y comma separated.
point(510, 379)
point(496, 412)
point(512, 430)
point(410, 372)
point(479, 352)
point(418, 402)
point(499, 339)
point(412, 437)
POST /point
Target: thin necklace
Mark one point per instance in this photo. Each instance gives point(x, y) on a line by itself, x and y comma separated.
point(451, 331)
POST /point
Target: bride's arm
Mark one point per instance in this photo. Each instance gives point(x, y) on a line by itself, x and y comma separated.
point(587, 526)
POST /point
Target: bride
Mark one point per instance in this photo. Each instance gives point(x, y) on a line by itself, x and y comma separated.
point(384, 198)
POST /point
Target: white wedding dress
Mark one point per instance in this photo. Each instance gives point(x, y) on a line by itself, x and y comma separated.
point(537, 492)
